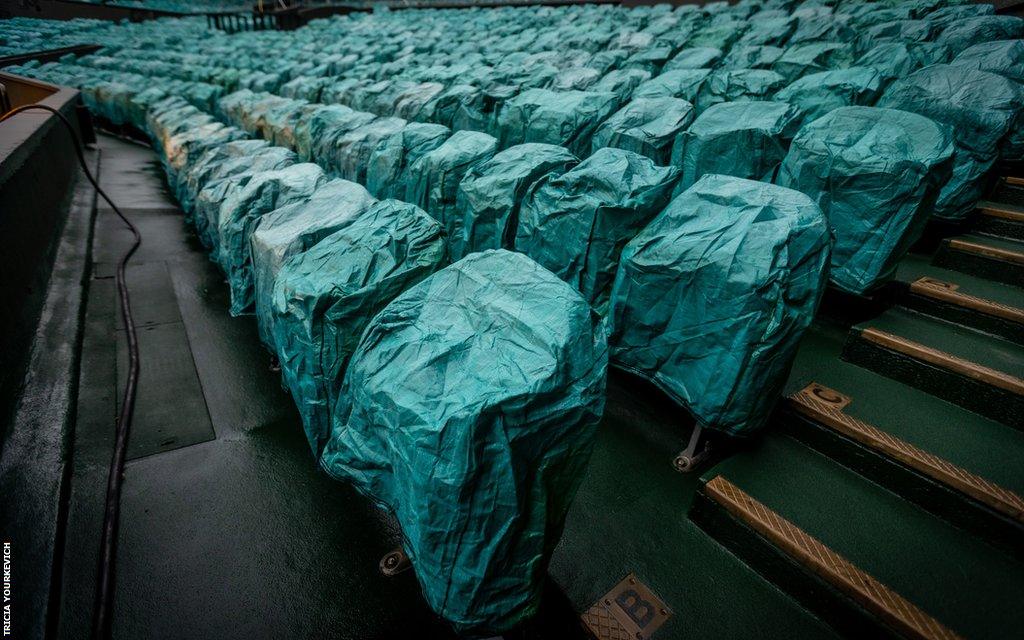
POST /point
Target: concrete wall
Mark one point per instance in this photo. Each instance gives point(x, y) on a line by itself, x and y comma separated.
point(37, 172)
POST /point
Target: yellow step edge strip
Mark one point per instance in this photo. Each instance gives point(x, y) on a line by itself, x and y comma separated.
point(1014, 181)
point(948, 292)
point(987, 250)
point(818, 403)
point(892, 608)
point(944, 360)
point(993, 210)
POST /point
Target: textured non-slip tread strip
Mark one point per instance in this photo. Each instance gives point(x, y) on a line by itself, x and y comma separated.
point(944, 360)
point(948, 292)
point(892, 608)
point(812, 401)
point(987, 251)
point(994, 210)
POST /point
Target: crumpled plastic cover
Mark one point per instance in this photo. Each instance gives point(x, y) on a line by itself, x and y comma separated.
point(326, 127)
point(742, 139)
point(232, 175)
point(712, 297)
point(294, 228)
point(811, 57)
point(207, 166)
point(875, 173)
point(241, 211)
point(1006, 58)
point(751, 57)
point(435, 177)
point(961, 34)
point(576, 224)
point(564, 118)
point(818, 93)
point(647, 126)
point(738, 85)
point(490, 194)
point(890, 59)
point(694, 58)
point(181, 148)
point(352, 150)
point(324, 298)
point(684, 84)
point(469, 410)
point(981, 108)
point(387, 171)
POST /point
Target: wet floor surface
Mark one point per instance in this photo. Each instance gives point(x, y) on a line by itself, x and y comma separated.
point(227, 528)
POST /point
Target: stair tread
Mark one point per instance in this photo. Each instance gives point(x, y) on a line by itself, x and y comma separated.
point(883, 535)
point(1006, 206)
point(916, 266)
point(982, 349)
point(980, 445)
point(630, 515)
point(1006, 244)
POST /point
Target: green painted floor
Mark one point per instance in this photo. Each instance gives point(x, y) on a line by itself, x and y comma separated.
point(229, 531)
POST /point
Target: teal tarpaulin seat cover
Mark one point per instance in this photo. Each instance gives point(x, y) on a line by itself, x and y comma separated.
point(294, 228)
point(875, 173)
point(326, 128)
point(241, 211)
point(890, 60)
point(469, 410)
point(182, 149)
point(694, 58)
point(736, 85)
point(1005, 57)
point(490, 194)
point(768, 30)
point(352, 150)
point(435, 177)
point(647, 126)
point(711, 299)
point(981, 108)
point(751, 57)
point(576, 224)
point(387, 171)
point(812, 57)
point(684, 84)
point(818, 93)
point(565, 118)
point(961, 34)
point(324, 297)
point(201, 166)
point(233, 175)
point(287, 132)
point(620, 83)
point(742, 139)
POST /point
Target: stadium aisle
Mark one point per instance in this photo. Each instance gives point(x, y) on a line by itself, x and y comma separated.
point(217, 462)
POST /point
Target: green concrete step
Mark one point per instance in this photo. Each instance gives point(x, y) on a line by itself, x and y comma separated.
point(860, 557)
point(630, 516)
point(992, 307)
point(998, 259)
point(958, 464)
point(1008, 190)
point(1002, 216)
point(977, 371)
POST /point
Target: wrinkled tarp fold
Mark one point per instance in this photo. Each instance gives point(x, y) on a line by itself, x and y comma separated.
point(712, 297)
point(469, 410)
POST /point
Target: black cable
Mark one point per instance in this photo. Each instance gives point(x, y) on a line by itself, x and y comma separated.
point(103, 604)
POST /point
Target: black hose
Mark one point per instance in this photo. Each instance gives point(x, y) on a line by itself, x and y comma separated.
point(103, 604)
